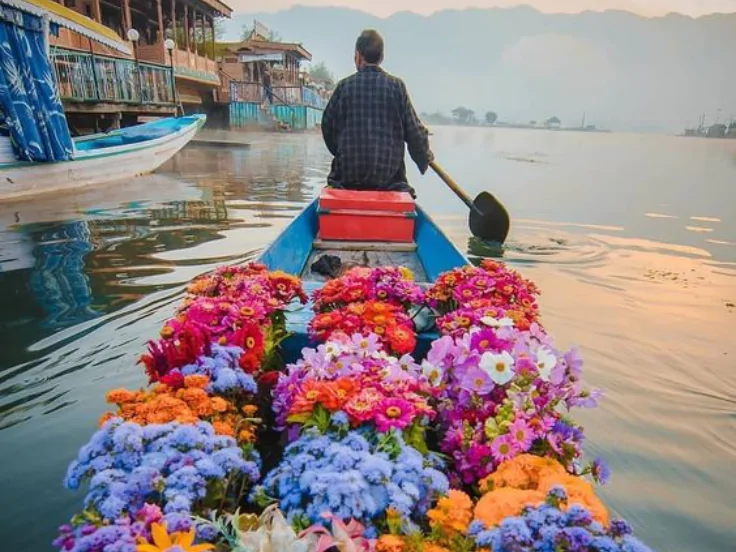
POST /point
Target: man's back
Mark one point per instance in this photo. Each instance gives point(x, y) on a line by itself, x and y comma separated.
point(365, 125)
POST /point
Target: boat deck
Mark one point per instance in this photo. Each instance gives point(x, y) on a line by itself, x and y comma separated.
point(365, 254)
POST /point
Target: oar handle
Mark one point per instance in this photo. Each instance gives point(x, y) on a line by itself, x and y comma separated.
point(447, 179)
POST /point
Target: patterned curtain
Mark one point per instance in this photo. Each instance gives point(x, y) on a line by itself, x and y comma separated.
point(29, 98)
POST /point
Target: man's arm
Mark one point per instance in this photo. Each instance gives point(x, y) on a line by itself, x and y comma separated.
point(415, 134)
point(329, 121)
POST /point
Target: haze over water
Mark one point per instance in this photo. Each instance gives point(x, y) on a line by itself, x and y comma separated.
point(632, 239)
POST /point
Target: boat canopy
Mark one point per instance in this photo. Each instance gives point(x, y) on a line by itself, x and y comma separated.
point(75, 21)
point(29, 98)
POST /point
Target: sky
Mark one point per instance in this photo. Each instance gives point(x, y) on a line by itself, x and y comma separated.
point(385, 8)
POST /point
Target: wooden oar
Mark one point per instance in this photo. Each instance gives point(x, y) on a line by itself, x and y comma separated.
point(489, 219)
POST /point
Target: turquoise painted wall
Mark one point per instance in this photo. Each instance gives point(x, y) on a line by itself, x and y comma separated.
point(244, 114)
point(299, 117)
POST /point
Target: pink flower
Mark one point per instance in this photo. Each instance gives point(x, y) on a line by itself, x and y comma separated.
point(504, 448)
point(477, 381)
point(396, 413)
point(521, 434)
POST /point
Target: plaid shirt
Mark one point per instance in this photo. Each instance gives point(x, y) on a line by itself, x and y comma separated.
point(365, 125)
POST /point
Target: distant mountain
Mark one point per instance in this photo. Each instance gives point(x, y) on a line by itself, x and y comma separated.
point(627, 72)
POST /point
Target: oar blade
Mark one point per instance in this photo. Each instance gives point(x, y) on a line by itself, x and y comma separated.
point(489, 220)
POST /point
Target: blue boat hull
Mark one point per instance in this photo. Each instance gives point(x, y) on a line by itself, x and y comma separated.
point(292, 249)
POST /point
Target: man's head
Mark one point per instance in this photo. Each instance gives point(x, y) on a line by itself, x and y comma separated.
point(368, 49)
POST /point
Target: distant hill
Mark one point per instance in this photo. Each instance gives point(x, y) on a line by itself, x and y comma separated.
point(627, 72)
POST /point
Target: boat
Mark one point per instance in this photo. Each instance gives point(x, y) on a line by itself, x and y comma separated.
point(101, 158)
point(298, 246)
point(37, 152)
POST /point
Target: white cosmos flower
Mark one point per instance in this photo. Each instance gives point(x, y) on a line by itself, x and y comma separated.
point(546, 361)
point(431, 372)
point(499, 367)
point(333, 349)
point(497, 323)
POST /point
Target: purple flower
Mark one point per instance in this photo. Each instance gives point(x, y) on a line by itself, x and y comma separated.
point(620, 527)
point(600, 471)
point(477, 381)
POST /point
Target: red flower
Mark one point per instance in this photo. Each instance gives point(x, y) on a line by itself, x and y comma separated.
point(173, 379)
point(268, 379)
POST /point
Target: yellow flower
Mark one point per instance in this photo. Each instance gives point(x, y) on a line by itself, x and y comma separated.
point(162, 541)
point(406, 273)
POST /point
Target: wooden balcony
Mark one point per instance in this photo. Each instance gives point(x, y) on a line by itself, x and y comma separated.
point(187, 65)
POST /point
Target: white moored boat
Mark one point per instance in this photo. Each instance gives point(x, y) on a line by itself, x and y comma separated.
point(37, 152)
point(100, 158)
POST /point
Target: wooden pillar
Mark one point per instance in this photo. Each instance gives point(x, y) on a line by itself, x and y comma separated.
point(96, 11)
point(186, 27)
point(126, 15)
point(214, 38)
point(160, 10)
point(173, 20)
point(196, 39)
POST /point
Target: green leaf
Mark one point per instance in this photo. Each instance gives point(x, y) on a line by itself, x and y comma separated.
point(302, 418)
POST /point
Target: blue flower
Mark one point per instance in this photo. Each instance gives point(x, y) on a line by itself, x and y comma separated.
point(578, 516)
point(514, 533)
point(600, 471)
point(340, 419)
point(475, 527)
point(632, 544)
point(620, 527)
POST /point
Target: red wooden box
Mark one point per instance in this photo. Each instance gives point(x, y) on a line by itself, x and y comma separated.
point(349, 215)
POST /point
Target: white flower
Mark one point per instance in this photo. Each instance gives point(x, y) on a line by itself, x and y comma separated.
point(546, 361)
point(496, 323)
point(333, 349)
point(431, 372)
point(499, 367)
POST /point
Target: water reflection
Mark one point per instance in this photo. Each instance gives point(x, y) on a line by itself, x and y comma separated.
point(86, 279)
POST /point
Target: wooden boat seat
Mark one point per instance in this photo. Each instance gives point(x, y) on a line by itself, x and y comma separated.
point(363, 246)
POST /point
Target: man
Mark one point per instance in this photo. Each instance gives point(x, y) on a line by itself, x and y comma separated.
point(267, 84)
point(366, 123)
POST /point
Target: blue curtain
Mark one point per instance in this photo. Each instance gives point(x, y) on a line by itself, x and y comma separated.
point(28, 94)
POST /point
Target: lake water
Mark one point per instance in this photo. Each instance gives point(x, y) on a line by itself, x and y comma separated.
point(632, 239)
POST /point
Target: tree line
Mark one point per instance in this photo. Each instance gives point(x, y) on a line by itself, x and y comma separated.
point(467, 117)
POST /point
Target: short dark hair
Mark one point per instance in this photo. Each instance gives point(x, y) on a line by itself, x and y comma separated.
point(370, 46)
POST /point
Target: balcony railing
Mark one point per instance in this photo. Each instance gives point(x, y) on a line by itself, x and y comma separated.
point(93, 78)
point(291, 95)
point(186, 64)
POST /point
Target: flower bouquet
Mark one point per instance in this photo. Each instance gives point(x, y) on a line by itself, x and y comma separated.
point(237, 306)
point(352, 380)
point(461, 297)
point(369, 300)
point(271, 532)
point(391, 323)
point(503, 389)
point(357, 475)
point(182, 468)
point(392, 285)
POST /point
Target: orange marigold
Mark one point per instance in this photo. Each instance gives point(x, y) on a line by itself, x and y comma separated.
point(390, 543)
point(223, 428)
point(525, 481)
point(121, 396)
point(196, 381)
point(453, 513)
point(431, 547)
